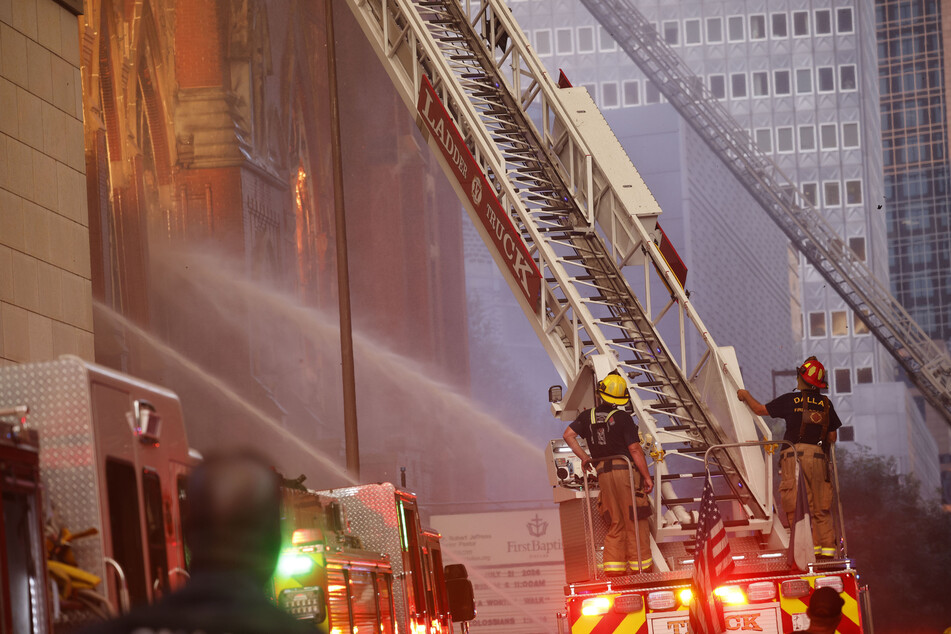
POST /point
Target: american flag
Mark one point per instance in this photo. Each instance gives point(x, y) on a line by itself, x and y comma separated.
point(712, 560)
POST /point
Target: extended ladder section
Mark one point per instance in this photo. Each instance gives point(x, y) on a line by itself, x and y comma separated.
point(926, 364)
point(563, 222)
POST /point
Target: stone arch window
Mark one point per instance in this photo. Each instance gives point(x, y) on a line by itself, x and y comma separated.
point(153, 164)
point(312, 231)
point(260, 67)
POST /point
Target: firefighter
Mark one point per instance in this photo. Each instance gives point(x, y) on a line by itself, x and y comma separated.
point(824, 612)
point(811, 424)
point(233, 528)
point(610, 431)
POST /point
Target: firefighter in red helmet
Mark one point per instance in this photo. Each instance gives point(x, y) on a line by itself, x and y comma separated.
point(811, 424)
point(610, 431)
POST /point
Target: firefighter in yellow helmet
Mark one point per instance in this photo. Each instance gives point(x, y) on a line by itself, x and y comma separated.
point(610, 431)
point(811, 424)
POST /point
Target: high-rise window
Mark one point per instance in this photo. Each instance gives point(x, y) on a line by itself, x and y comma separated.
point(779, 25)
point(605, 42)
point(760, 81)
point(847, 77)
point(853, 192)
point(831, 194)
point(807, 138)
point(734, 25)
point(826, 79)
point(843, 380)
point(651, 93)
point(781, 82)
point(585, 39)
point(543, 42)
point(764, 139)
point(810, 191)
point(858, 326)
point(823, 21)
point(757, 27)
point(817, 324)
point(850, 135)
point(827, 136)
point(800, 21)
point(609, 94)
point(803, 81)
point(784, 139)
point(843, 18)
point(692, 31)
point(714, 30)
point(863, 375)
point(632, 92)
point(672, 32)
point(718, 86)
point(563, 42)
point(738, 85)
point(840, 323)
point(857, 244)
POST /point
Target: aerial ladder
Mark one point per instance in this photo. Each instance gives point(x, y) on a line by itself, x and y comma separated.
point(928, 367)
point(569, 221)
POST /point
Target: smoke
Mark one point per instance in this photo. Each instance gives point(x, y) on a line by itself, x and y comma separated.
point(212, 322)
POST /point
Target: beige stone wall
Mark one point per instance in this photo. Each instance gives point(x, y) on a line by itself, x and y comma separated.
point(45, 287)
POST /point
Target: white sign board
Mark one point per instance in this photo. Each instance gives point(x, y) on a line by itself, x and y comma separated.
point(516, 566)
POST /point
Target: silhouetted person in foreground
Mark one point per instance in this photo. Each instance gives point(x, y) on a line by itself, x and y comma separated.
point(824, 612)
point(233, 528)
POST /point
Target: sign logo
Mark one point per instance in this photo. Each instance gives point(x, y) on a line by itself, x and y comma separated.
point(476, 191)
point(537, 527)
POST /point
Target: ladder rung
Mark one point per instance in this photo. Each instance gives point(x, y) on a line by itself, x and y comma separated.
point(689, 450)
point(693, 527)
point(686, 476)
point(718, 498)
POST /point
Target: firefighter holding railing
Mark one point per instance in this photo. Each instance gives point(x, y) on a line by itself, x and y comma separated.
point(811, 424)
point(610, 431)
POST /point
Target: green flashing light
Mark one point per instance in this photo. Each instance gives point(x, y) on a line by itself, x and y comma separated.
point(403, 532)
point(291, 564)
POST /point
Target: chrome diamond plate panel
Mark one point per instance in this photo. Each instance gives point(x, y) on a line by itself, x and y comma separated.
point(374, 517)
point(57, 394)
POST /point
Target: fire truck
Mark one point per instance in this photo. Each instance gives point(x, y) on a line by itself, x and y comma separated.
point(574, 230)
point(359, 555)
point(93, 470)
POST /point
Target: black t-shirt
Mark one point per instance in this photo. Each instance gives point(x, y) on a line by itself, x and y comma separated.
point(789, 407)
point(610, 438)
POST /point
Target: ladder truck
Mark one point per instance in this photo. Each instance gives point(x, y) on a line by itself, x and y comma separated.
point(570, 224)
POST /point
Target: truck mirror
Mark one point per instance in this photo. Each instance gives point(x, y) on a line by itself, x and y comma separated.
point(461, 600)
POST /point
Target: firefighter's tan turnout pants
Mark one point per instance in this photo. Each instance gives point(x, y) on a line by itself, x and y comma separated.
point(818, 490)
point(620, 543)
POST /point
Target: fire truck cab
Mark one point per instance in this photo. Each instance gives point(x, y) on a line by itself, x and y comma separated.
point(112, 456)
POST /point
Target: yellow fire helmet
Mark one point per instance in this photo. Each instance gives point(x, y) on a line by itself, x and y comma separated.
point(613, 389)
